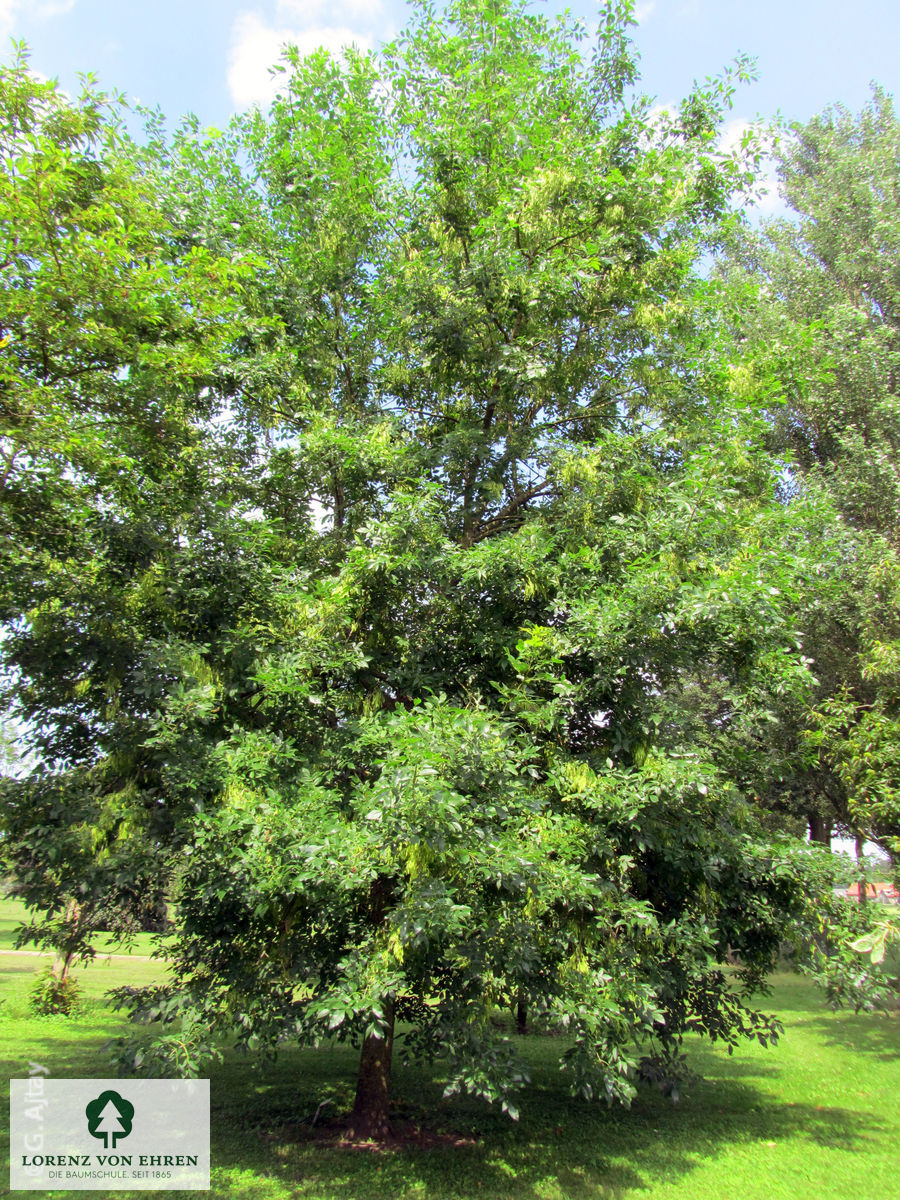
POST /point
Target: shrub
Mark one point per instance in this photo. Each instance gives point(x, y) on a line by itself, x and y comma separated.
point(54, 994)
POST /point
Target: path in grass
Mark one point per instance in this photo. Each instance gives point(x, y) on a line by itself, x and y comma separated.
point(48, 954)
point(815, 1118)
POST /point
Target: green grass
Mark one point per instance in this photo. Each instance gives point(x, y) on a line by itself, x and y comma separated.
point(13, 913)
point(815, 1118)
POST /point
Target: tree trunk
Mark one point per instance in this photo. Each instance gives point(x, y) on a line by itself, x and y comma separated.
point(863, 884)
point(521, 1014)
point(65, 952)
point(63, 964)
point(819, 830)
point(369, 1119)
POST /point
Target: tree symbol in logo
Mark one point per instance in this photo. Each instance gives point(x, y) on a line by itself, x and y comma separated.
point(109, 1116)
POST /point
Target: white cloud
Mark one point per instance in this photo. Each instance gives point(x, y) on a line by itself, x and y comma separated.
point(732, 133)
point(9, 10)
point(307, 11)
point(643, 12)
point(256, 46)
point(7, 18)
point(766, 199)
point(661, 112)
point(54, 8)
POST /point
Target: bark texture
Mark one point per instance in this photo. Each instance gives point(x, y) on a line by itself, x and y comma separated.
point(863, 882)
point(369, 1120)
point(819, 830)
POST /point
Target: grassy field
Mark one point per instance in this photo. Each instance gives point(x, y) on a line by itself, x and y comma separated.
point(13, 913)
point(815, 1118)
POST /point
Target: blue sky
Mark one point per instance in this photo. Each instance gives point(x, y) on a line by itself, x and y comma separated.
point(211, 58)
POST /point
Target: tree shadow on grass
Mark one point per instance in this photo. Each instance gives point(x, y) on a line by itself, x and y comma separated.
point(559, 1148)
point(802, 1004)
point(265, 1148)
point(874, 1034)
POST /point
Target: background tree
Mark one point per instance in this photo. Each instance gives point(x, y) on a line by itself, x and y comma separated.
point(112, 324)
point(823, 326)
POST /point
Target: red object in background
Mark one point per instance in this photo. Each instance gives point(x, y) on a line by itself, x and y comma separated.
point(880, 890)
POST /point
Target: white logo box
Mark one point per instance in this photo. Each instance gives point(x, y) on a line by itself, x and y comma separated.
point(108, 1134)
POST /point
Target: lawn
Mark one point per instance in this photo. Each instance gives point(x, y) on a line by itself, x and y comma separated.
point(815, 1118)
point(13, 913)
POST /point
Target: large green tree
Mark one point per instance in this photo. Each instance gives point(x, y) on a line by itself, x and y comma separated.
point(821, 324)
point(435, 495)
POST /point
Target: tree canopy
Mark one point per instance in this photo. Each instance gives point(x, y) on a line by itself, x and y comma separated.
point(385, 506)
point(820, 322)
